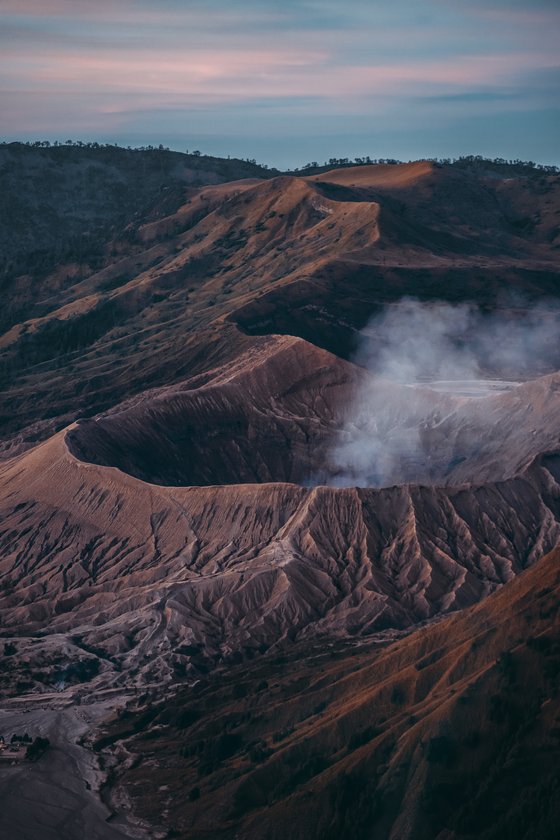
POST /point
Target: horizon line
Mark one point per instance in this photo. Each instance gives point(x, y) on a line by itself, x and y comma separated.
point(361, 160)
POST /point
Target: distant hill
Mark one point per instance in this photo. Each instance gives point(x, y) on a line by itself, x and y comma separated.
point(61, 203)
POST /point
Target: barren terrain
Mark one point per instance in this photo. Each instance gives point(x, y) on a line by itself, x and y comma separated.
point(58, 797)
point(425, 737)
point(176, 528)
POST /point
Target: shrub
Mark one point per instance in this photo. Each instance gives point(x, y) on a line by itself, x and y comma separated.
point(358, 739)
point(398, 695)
point(441, 750)
point(37, 748)
point(259, 752)
point(239, 691)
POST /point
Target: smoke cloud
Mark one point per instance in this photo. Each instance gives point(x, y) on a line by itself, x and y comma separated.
point(424, 408)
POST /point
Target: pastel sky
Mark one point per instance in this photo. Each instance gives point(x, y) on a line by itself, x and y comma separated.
point(287, 81)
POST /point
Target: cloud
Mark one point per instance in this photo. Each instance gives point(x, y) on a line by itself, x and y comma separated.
point(365, 60)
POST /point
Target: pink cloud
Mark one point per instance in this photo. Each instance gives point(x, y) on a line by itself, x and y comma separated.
point(253, 73)
point(62, 8)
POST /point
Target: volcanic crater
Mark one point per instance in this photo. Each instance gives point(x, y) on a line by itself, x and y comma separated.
point(281, 412)
point(182, 485)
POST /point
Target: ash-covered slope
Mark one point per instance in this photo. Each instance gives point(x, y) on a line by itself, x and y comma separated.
point(268, 416)
point(170, 503)
point(451, 732)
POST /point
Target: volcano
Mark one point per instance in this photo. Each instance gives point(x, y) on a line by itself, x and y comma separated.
point(172, 502)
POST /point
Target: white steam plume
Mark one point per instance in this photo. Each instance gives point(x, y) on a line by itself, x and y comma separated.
point(397, 432)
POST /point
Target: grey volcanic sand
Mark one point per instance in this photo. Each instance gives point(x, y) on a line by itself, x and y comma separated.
point(56, 798)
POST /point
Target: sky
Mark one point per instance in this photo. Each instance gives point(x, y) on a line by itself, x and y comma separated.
point(287, 81)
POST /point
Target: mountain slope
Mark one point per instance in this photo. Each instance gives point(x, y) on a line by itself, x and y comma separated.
point(451, 732)
point(61, 204)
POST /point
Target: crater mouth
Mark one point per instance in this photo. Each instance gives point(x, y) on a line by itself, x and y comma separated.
point(283, 423)
point(271, 416)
